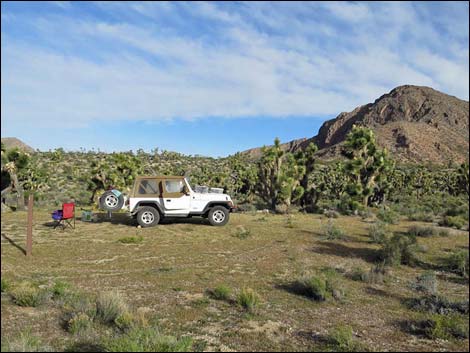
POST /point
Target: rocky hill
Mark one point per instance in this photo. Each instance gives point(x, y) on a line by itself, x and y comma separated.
point(416, 124)
point(12, 142)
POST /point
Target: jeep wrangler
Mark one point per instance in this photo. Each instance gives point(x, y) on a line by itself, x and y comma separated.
point(155, 197)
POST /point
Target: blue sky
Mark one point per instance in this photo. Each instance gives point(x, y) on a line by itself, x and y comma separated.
point(214, 78)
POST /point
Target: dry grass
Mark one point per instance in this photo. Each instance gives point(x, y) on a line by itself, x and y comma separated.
point(173, 267)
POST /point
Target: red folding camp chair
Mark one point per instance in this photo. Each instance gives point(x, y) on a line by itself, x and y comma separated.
point(68, 213)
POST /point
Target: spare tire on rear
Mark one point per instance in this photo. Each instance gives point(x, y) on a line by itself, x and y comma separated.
point(112, 200)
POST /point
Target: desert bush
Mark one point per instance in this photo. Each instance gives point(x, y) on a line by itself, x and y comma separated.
point(426, 283)
point(378, 232)
point(125, 321)
point(28, 294)
point(221, 292)
point(312, 287)
point(290, 221)
point(333, 283)
point(146, 340)
point(5, 285)
point(437, 304)
point(421, 217)
point(241, 232)
point(388, 215)
point(377, 274)
point(60, 289)
point(358, 274)
point(399, 249)
point(248, 299)
point(446, 326)
point(458, 262)
point(79, 324)
point(331, 214)
point(24, 342)
point(333, 232)
point(340, 339)
point(131, 240)
point(453, 222)
point(420, 231)
point(109, 306)
point(366, 213)
point(76, 303)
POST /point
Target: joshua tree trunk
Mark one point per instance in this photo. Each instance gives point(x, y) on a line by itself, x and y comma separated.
point(19, 190)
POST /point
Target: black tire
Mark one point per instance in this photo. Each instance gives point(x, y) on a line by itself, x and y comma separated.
point(148, 216)
point(218, 216)
point(110, 202)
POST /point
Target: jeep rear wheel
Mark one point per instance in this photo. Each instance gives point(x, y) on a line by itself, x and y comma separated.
point(110, 202)
point(218, 216)
point(148, 216)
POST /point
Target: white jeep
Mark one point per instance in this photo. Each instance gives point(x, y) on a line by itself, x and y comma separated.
point(155, 197)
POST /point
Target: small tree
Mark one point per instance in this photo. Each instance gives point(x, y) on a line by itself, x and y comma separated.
point(367, 165)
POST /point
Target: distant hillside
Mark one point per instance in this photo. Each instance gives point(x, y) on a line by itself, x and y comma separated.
point(12, 142)
point(416, 124)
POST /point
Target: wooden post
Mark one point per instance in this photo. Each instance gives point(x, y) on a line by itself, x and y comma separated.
point(29, 235)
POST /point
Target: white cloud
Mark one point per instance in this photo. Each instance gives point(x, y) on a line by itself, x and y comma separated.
point(255, 61)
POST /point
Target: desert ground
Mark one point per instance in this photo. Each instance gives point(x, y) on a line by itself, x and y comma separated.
point(169, 271)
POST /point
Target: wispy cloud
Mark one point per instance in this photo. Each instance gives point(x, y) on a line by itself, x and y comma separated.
point(80, 63)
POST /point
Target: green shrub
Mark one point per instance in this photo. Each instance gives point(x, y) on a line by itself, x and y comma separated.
point(290, 221)
point(437, 304)
point(312, 287)
point(340, 339)
point(109, 306)
point(377, 274)
point(358, 274)
point(125, 321)
point(77, 303)
point(458, 262)
point(248, 299)
point(79, 324)
point(331, 214)
point(426, 283)
point(25, 342)
point(131, 240)
point(453, 222)
point(241, 232)
point(60, 289)
point(420, 231)
point(399, 249)
point(221, 292)
point(378, 232)
point(28, 294)
point(446, 326)
point(421, 217)
point(147, 340)
point(387, 215)
point(332, 232)
point(5, 285)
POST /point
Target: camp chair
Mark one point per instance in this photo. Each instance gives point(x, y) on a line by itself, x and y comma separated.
point(65, 217)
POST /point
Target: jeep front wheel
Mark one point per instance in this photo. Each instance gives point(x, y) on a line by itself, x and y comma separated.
point(148, 216)
point(218, 216)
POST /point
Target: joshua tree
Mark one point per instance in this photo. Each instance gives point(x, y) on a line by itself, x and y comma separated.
point(463, 173)
point(311, 194)
point(119, 170)
point(279, 175)
point(367, 165)
point(13, 161)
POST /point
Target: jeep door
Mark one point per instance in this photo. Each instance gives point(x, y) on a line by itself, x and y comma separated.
point(174, 198)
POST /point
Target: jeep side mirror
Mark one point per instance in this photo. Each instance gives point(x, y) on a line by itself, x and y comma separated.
point(185, 190)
